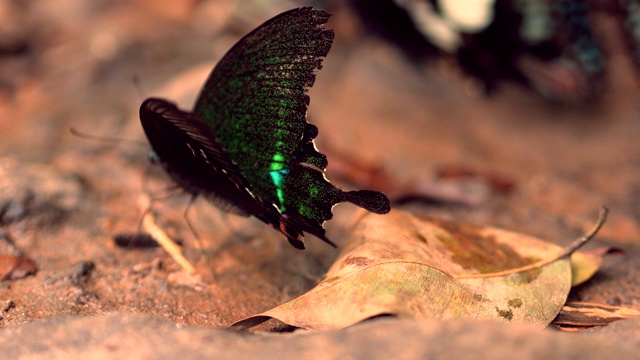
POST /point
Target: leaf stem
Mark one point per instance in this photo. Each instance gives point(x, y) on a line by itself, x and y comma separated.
point(566, 251)
point(579, 242)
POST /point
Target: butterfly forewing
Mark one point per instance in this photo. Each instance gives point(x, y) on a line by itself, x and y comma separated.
point(255, 99)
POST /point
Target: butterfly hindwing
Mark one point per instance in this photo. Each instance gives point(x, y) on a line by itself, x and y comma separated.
point(189, 153)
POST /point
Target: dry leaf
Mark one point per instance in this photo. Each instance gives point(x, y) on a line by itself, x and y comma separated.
point(584, 264)
point(577, 315)
point(16, 267)
point(406, 266)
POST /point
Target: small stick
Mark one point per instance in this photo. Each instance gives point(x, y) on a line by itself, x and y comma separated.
point(167, 244)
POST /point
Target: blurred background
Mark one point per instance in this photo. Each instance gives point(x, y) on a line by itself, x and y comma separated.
point(502, 90)
point(520, 114)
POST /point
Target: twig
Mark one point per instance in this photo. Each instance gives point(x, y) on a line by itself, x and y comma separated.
point(169, 245)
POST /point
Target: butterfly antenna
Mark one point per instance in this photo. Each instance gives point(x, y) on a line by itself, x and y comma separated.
point(107, 139)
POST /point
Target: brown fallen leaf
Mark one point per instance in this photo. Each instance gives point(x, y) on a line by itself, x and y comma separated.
point(403, 265)
point(575, 316)
point(16, 267)
point(584, 264)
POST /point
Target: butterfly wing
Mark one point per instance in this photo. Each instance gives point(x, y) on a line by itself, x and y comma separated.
point(255, 101)
point(189, 153)
point(255, 98)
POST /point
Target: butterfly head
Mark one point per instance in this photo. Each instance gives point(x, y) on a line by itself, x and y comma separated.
point(153, 157)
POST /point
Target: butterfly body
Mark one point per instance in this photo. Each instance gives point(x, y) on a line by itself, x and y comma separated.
point(247, 146)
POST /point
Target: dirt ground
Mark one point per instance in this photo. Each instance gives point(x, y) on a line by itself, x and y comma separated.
point(88, 65)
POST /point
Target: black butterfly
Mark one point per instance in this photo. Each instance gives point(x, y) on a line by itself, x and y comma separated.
point(247, 146)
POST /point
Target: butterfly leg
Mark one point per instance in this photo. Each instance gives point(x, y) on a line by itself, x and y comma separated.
point(144, 214)
point(185, 215)
point(165, 193)
point(169, 192)
point(148, 224)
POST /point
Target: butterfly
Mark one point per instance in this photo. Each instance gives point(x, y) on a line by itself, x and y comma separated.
point(547, 46)
point(247, 146)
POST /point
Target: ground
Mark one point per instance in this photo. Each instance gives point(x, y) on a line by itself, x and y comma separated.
point(64, 198)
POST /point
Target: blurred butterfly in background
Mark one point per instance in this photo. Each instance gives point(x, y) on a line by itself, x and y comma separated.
point(545, 45)
point(247, 146)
